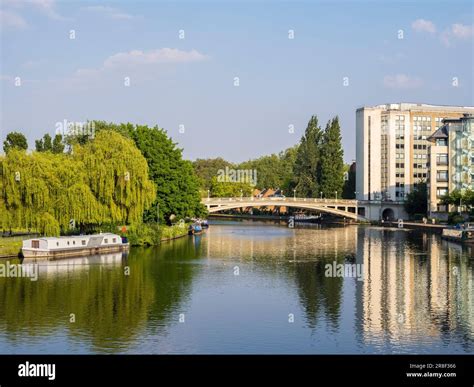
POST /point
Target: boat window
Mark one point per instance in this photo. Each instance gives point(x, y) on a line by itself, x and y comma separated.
point(83, 243)
point(35, 244)
point(57, 243)
point(68, 242)
point(73, 242)
point(106, 240)
point(114, 240)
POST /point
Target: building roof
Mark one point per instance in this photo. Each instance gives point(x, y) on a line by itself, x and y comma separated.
point(409, 106)
point(442, 132)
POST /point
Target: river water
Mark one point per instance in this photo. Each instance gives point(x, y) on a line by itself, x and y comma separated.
point(251, 287)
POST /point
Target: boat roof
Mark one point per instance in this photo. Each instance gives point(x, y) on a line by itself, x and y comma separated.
point(76, 236)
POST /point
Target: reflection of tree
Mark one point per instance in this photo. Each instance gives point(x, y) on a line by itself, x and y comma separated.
point(171, 272)
point(110, 307)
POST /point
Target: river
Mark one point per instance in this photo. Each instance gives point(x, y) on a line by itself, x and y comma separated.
point(251, 287)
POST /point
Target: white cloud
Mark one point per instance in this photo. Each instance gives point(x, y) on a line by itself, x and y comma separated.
point(110, 12)
point(422, 25)
point(457, 31)
point(12, 20)
point(401, 81)
point(47, 7)
point(162, 55)
point(139, 63)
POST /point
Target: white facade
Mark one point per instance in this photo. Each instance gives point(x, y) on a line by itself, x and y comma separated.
point(392, 147)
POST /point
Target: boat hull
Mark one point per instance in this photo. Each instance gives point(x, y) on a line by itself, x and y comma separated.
point(73, 252)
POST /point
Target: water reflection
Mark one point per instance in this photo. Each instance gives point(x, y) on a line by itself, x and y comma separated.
point(416, 296)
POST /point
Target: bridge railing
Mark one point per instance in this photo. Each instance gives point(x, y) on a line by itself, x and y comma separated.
point(282, 199)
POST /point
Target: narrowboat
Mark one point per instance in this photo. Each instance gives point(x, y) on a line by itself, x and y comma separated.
point(460, 233)
point(70, 246)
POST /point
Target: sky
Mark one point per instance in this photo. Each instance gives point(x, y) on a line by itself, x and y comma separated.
point(235, 79)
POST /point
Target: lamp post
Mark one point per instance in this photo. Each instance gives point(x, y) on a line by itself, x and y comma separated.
point(208, 194)
point(336, 195)
point(241, 194)
point(294, 194)
point(321, 195)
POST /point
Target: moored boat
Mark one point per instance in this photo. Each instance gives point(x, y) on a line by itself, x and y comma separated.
point(77, 245)
point(460, 233)
point(195, 229)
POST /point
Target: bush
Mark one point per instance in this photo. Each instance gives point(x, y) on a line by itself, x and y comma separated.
point(455, 218)
point(144, 234)
point(177, 230)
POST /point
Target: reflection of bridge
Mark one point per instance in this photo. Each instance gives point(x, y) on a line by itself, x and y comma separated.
point(352, 209)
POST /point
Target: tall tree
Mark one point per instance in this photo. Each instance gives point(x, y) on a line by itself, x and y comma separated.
point(416, 201)
point(58, 145)
point(103, 181)
point(15, 140)
point(348, 191)
point(45, 144)
point(308, 158)
point(332, 162)
point(177, 186)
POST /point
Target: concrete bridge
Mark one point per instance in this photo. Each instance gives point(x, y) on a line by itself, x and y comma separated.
point(352, 209)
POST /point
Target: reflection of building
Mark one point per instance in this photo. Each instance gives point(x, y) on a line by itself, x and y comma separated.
point(451, 161)
point(392, 146)
point(407, 293)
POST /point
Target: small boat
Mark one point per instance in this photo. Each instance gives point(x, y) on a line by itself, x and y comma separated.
point(303, 218)
point(460, 233)
point(70, 246)
point(195, 229)
point(204, 224)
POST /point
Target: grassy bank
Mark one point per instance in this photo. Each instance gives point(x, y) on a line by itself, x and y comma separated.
point(9, 247)
point(152, 234)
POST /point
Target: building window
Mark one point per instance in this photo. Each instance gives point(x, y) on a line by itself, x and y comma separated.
point(442, 159)
point(442, 142)
point(440, 192)
point(442, 176)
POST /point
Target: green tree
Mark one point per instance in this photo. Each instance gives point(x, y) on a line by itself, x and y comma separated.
point(416, 201)
point(45, 144)
point(229, 189)
point(15, 140)
point(308, 158)
point(177, 185)
point(58, 145)
point(206, 169)
point(103, 181)
point(332, 163)
point(348, 191)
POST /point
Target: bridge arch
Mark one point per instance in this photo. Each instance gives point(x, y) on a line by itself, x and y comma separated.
point(216, 205)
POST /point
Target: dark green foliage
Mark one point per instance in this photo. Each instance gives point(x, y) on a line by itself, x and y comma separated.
point(15, 140)
point(331, 172)
point(308, 158)
point(416, 201)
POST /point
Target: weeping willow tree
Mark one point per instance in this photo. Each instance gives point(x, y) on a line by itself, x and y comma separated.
point(104, 181)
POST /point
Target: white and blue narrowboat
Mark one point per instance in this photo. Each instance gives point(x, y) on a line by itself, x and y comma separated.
point(69, 246)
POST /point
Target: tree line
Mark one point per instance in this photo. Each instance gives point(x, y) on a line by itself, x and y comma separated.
point(312, 168)
point(124, 174)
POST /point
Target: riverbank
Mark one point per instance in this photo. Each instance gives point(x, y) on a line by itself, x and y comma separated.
point(142, 235)
point(437, 228)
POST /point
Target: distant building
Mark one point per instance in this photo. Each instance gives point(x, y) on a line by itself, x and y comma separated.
point(392, 146)
point(451, 161)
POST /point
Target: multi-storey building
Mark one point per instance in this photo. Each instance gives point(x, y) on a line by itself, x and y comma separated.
point(451, 161)
point(392, 146)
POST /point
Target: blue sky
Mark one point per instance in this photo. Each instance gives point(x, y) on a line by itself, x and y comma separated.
point(190, 81)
